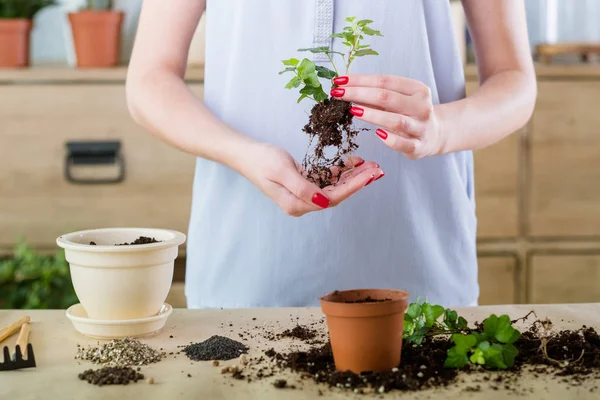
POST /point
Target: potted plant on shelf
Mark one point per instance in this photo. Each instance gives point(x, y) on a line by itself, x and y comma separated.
point(97, 34)
point(16, 21)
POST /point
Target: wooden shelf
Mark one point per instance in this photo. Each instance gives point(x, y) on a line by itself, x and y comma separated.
point(67, 75)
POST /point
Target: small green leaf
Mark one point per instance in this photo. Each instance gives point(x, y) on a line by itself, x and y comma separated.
point(366, 52)
point(288, 69)
point(461, 323)
point(302, 97)
point(306, 68)
point(450, 317)
point(364, 22)
point(292, 62)
point(371, 32)
point(294, 82)
point(337, 35)
point(320, 96)
point(312, 80)
point(322, 49)
point(492, 354)
point(477, 357)
point(350, 19)
point(324, 72)
point(432, 313)
point(505, 333)
point(456, 358)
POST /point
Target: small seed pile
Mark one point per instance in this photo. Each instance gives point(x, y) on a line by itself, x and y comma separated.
point(215, 348)
point(111, 376)
point(120, 353)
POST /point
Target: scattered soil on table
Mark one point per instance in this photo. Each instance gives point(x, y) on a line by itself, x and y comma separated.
point(571, 356)
point(299, 332)
point(215, 348)
point(367, 299)
point(111, 376)
point(330, 125)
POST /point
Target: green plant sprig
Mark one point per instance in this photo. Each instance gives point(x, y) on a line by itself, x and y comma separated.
point(493, 347)
point(421, 320)
point(22, 8)
point(307, 73)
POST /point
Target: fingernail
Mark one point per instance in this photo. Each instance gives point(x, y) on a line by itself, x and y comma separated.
point(358, 164)
point(380, 176)
point(381, 133)
point(357, 111)
point(337, 92)
point(320, 200)
point(370, 180)
point(340, 80)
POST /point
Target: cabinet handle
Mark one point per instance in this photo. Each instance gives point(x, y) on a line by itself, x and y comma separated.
point(94, 153)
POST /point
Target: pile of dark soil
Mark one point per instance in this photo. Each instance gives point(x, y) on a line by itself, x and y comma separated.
point(299, 332)
point(330, 125)
point(111, 376)
point(215, 348)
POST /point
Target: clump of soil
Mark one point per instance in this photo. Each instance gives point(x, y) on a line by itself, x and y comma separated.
point(111, 376)
point(215, 348)
point(299, 332)
point(330, 125)
point(140, 240)
point(367, 299)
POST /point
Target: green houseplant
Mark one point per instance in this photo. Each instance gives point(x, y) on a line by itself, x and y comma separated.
point(29, 280)
point(97, 34)
point(16, 21)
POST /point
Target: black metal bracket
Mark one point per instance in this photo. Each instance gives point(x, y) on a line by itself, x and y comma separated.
point(94, 153)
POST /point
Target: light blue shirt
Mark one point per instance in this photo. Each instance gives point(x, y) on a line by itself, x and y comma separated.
point(415, 229)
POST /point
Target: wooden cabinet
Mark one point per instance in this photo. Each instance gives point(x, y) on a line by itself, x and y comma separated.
point(496, 186)
point(39, 204)
point(565, 160)
point(564, 278)
point(497, 280)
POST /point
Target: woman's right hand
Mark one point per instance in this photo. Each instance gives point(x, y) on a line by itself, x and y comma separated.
point(275, 172)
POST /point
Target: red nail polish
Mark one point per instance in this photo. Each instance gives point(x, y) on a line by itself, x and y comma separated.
point(357, 111)
point(358, 164)
point(370, 180)
point(337, 92)
point(320, 200)
point(380, 176)
point(381, 133)
point(340, 80)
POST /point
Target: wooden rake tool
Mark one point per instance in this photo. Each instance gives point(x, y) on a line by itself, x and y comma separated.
point(17, 361)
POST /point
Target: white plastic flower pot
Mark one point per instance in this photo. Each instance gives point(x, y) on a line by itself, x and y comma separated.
point(121, 282)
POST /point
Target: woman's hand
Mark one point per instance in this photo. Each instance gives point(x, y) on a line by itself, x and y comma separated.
point(401, 106)
point(280, 177)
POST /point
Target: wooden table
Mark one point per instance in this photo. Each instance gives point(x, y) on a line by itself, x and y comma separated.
point(55, 343)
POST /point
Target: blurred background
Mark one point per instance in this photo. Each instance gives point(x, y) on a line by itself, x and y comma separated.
point(71, 157)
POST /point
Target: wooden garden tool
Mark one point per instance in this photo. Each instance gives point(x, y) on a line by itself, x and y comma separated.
point(17, 361)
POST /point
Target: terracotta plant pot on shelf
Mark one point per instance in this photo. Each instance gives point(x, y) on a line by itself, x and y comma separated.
point(365, 328)
point(14, 42)
point(97, 37)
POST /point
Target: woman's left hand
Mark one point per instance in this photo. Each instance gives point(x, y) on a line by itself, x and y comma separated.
point(401, 107)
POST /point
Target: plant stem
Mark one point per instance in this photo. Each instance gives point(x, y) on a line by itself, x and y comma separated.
point(333, 64)
point(353, 49)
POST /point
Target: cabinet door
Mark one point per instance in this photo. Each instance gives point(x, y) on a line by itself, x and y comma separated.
point(496, 186)
point(564, 279)
point(39, 204)
point(497, 277)
point(565, 150)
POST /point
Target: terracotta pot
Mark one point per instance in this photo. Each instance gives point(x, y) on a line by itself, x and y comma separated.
point(365, 337)
point(14, 42)
point(97, 37)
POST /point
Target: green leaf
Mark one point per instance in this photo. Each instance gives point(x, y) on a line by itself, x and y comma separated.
point(312, 80)
point(322, 49)
point(371, 32)
point(432, 313)
point(294, 83)
point(292, 62)
point(320, 96)
point(364, 22)
point(287, 70)
point(302, 97)
point(505, 332)
point(366, 52)
point(461, 323)
point(492, 354)
point(477, 357)
point(324, 72)
point(450, 317)
point(414, 310)
point(456, 358)
point(464, 341)
point(337, 35)
point(350, 19)
point(306, 68)
point(509, 353)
